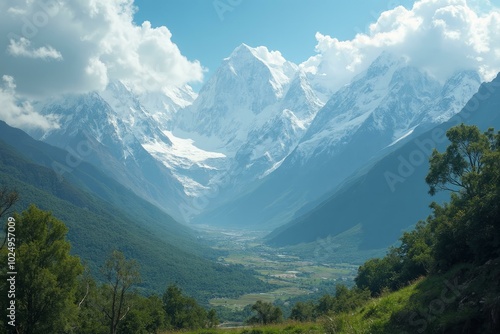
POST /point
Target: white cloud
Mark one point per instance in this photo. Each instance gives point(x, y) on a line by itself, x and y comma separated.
point(21, 114)
point(94, 42)
point(269, 57)
point(440, 36)
point(22, 48)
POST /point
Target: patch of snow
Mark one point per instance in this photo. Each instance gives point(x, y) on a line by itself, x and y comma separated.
point(185, 148)
point(272, 169)
point(400, 137)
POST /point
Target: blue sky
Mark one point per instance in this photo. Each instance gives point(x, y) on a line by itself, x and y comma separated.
point(56, 47)
point(208, 34)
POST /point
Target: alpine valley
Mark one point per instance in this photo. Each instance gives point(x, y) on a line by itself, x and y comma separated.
point(261, 144)
point(229, 190)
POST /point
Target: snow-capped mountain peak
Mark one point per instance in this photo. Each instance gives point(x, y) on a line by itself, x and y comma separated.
point(163, 105)
point(281, 71)
point(258, 115)
point(383, 63)
point(238, 97)
point(455, 93)
point(388, 100)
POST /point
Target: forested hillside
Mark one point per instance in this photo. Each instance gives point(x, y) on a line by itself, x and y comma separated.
point(167, 251)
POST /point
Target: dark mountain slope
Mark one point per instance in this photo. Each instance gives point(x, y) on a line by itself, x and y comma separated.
point(392, 195)
point(166, 254)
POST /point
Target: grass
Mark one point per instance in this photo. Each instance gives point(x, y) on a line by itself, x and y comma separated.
point(446, 303)
point(374, 317)
point(377, 316)
point(248, 299)
point(283, 328)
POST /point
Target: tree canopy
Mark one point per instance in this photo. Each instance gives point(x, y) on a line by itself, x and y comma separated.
point(464, 230)
point(266, 313)
point(184, 312)
point(46, 279)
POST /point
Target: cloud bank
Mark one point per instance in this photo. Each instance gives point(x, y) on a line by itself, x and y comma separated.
point(440, 36)
point(20, 114)
point(53, 46)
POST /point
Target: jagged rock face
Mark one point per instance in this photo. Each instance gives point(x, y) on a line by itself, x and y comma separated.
point(256, 119)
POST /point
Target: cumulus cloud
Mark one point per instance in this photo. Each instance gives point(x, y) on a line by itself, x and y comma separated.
point(269, 57)
point(53, 46)
point(22, 48)
point(21, 114)
point(440, 36)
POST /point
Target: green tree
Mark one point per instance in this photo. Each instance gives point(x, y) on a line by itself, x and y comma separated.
point(416, 253)
point(212, 319)
point(303, 311)
point(349, 299)
point(8, 197)
point(183, 312)
point(377, 274)
point(345, 300)
point(325, 304)
point(91, 319)
point(459, 167)
point(267, 313)
point(46, 280)
point(147, 316)
point(468, 227)
point(120, 275)
point(403, 264)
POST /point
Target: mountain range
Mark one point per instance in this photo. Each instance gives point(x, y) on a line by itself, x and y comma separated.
point(259, 141)
point(392, 192)
point(262, 145)
point(382, 108)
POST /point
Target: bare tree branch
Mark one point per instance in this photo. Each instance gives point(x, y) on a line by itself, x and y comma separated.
point(84, 297)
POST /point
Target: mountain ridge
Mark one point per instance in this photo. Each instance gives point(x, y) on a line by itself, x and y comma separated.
point(257, 132)
point(359, 123)
point(384, 191)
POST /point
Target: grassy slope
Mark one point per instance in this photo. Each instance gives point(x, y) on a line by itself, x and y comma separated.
point(461, 300)
point(466, 299)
